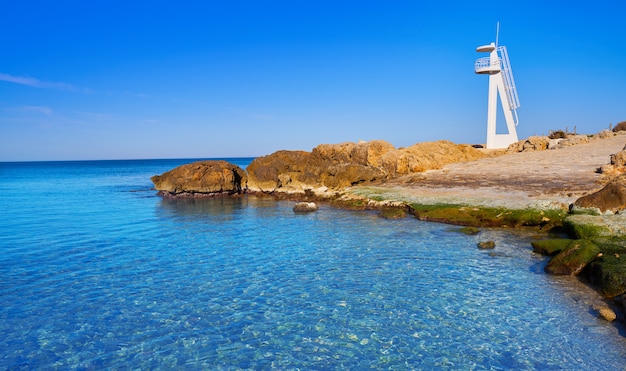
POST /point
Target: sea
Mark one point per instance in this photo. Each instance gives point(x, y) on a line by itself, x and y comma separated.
point(97, 271)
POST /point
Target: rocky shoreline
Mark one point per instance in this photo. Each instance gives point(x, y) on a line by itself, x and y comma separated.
point(573, 188)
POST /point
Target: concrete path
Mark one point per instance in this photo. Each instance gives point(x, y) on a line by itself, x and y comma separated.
point(542, 178)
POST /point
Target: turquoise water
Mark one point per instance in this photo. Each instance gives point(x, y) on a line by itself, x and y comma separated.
point(97, 271)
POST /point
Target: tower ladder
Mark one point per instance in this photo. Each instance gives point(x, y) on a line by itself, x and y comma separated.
point(509, 82)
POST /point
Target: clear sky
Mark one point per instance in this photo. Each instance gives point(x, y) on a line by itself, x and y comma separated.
point(177, 79)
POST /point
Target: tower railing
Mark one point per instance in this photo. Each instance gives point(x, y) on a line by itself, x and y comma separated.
point(485, 64)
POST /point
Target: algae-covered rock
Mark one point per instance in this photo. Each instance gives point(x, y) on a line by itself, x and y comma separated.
point(608, 273)
point(584, 226)
point(486, 245)
point(393, 213)
point(487, 216)
point(550, 246)
point(469, 230)
point(573, 259)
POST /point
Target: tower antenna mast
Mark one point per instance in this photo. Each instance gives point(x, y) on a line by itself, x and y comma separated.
point(497, 32)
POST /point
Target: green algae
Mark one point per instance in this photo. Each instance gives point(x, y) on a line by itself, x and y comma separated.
point(594, 251)
point(393, 213)
point(488, 216)
point(469, 230)
point(608, 274)
point(486, 245)
point(550, 246)
point(573, 258)
point(584, 229)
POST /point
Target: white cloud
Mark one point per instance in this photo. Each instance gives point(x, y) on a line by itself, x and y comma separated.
point(39, 109)
point(36, 83)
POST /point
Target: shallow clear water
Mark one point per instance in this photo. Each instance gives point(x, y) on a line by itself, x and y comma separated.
point(96, 271)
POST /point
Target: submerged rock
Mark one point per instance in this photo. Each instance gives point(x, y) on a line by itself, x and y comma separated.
point(305, 207)
point(209, 178)
point(486, 245)
point(550, 246)
point(469, 230)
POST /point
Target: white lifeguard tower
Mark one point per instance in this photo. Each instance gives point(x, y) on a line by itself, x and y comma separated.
point(501, 82)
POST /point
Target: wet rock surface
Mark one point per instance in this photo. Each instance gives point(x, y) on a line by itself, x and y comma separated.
point(210, 178)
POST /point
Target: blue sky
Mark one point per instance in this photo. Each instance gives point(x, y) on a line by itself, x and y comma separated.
point(86, 80)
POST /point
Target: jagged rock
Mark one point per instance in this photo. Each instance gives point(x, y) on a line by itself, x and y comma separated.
point(305, 207)
point(572, 140)
point(610, 198)
point(290, 170)
point(605, 134)
point(336, 166)
point(362, 153)
point(617, 165)
point(534, 143)
point(428, 156)
point(202, 177)
point(555, 143)
point(573, 259)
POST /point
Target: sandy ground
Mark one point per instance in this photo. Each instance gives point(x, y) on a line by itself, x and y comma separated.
point(550, 178)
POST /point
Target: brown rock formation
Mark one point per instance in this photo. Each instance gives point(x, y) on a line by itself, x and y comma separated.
point(534, 143)
point(610, 198)
point(202, 177)
point(541, 143)
point(336, 166)
point(428, 156)
point(305, 207)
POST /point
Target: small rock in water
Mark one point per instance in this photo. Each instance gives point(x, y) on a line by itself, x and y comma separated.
point(469, 230)
point(304, 207)
point(607, 314)
point(486, 245)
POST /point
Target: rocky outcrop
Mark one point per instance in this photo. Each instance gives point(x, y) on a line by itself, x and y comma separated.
point(210, 178)
point(299, 171)
point(607, 271)
point(611, 198)
point(541, 143)
point(534, 143)
point(617, 165)
point(332, 167)
point(428, 156)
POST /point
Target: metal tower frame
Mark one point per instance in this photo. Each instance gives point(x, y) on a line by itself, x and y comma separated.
point(501, 82)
